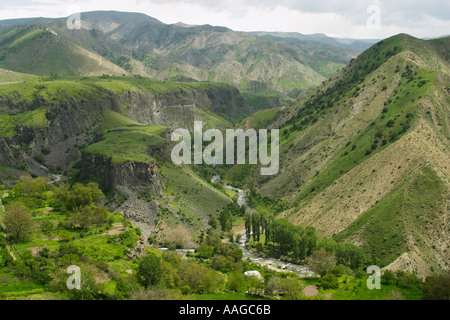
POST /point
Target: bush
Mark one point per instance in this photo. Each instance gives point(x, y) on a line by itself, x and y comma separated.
point(149, 270)
point(388, 278)
point(236, 282)
point(186, 290)
point(200, 278)
point(45, 150)
point(406, 280)
point(292, 289)
point(47, 227)
point(329, 281)
point(437, 287)
point(338, 271)
point(65, 235)
point(39, 157)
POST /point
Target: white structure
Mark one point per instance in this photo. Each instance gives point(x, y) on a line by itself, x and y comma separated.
point(254, 274)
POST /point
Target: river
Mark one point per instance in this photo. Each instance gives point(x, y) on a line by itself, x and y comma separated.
point(274, 264)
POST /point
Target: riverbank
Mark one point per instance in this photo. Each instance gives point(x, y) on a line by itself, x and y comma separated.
point(271, 263)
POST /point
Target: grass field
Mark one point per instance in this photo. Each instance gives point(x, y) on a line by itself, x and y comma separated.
point(32, 119)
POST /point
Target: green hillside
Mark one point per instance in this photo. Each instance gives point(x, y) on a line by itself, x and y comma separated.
point(268, 72)
point(86, 170)
point(41, 51)
point(353, 150)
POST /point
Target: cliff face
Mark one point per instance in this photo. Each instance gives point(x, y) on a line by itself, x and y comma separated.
point(133, 175)
point(72, 119)
point(180, 108)
point(6, 156)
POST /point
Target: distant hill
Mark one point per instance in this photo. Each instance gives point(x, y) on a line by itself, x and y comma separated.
point(357, 45)
point(268, 72)
point(41, 51)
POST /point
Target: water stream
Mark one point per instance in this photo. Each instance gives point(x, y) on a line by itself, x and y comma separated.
point(274, 264)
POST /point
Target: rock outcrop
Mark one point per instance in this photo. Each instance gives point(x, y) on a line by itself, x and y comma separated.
point(112, 176)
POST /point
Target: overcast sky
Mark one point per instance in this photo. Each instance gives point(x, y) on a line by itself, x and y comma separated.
point(339, 18)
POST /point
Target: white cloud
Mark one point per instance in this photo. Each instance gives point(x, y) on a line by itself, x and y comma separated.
point(342, 18)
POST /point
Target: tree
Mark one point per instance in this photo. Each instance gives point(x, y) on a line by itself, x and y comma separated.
point(437, 287)
point(96, 194)
point(100, 217)
point(79, 196)
point(256, 226)
point(149, 270)
point(248, 224)
point(82, 217)
point(321, 262)
point(29, 187)
point(281, 233)
point(18, 222)
point(200, 278)
point(226, 220)
point(350, 255)
point(292, 289)
point(236, 281)
point(60, 197)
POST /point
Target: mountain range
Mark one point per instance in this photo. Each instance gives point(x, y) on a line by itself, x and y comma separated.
point(269, 71)
point(364, 150)
point(365, 156)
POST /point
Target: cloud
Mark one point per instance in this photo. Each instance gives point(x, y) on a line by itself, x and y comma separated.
point(343, 18)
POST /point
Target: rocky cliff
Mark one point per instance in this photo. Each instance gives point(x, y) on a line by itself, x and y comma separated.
point(114, 176)
point(74, 111)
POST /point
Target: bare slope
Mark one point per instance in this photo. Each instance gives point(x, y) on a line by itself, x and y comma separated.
point(365, 158)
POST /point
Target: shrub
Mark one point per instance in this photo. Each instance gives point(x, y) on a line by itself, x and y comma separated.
point(437, 287)
point(329, 281)
point(406, 280)
point(388, 278)
point(186, 290)
point(149, 270)
point(39, 157)
point(45, 150)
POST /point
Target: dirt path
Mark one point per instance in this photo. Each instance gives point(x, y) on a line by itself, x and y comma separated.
point(311, 291)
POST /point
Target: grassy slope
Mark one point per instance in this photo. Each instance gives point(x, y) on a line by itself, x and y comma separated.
point(31, 119)
point(404, 218)
point(126, 140)
point(56, 90)
point(349, 149)
point(229, 57)
point(123, 139)
point(40, 51)
point(7, 77)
